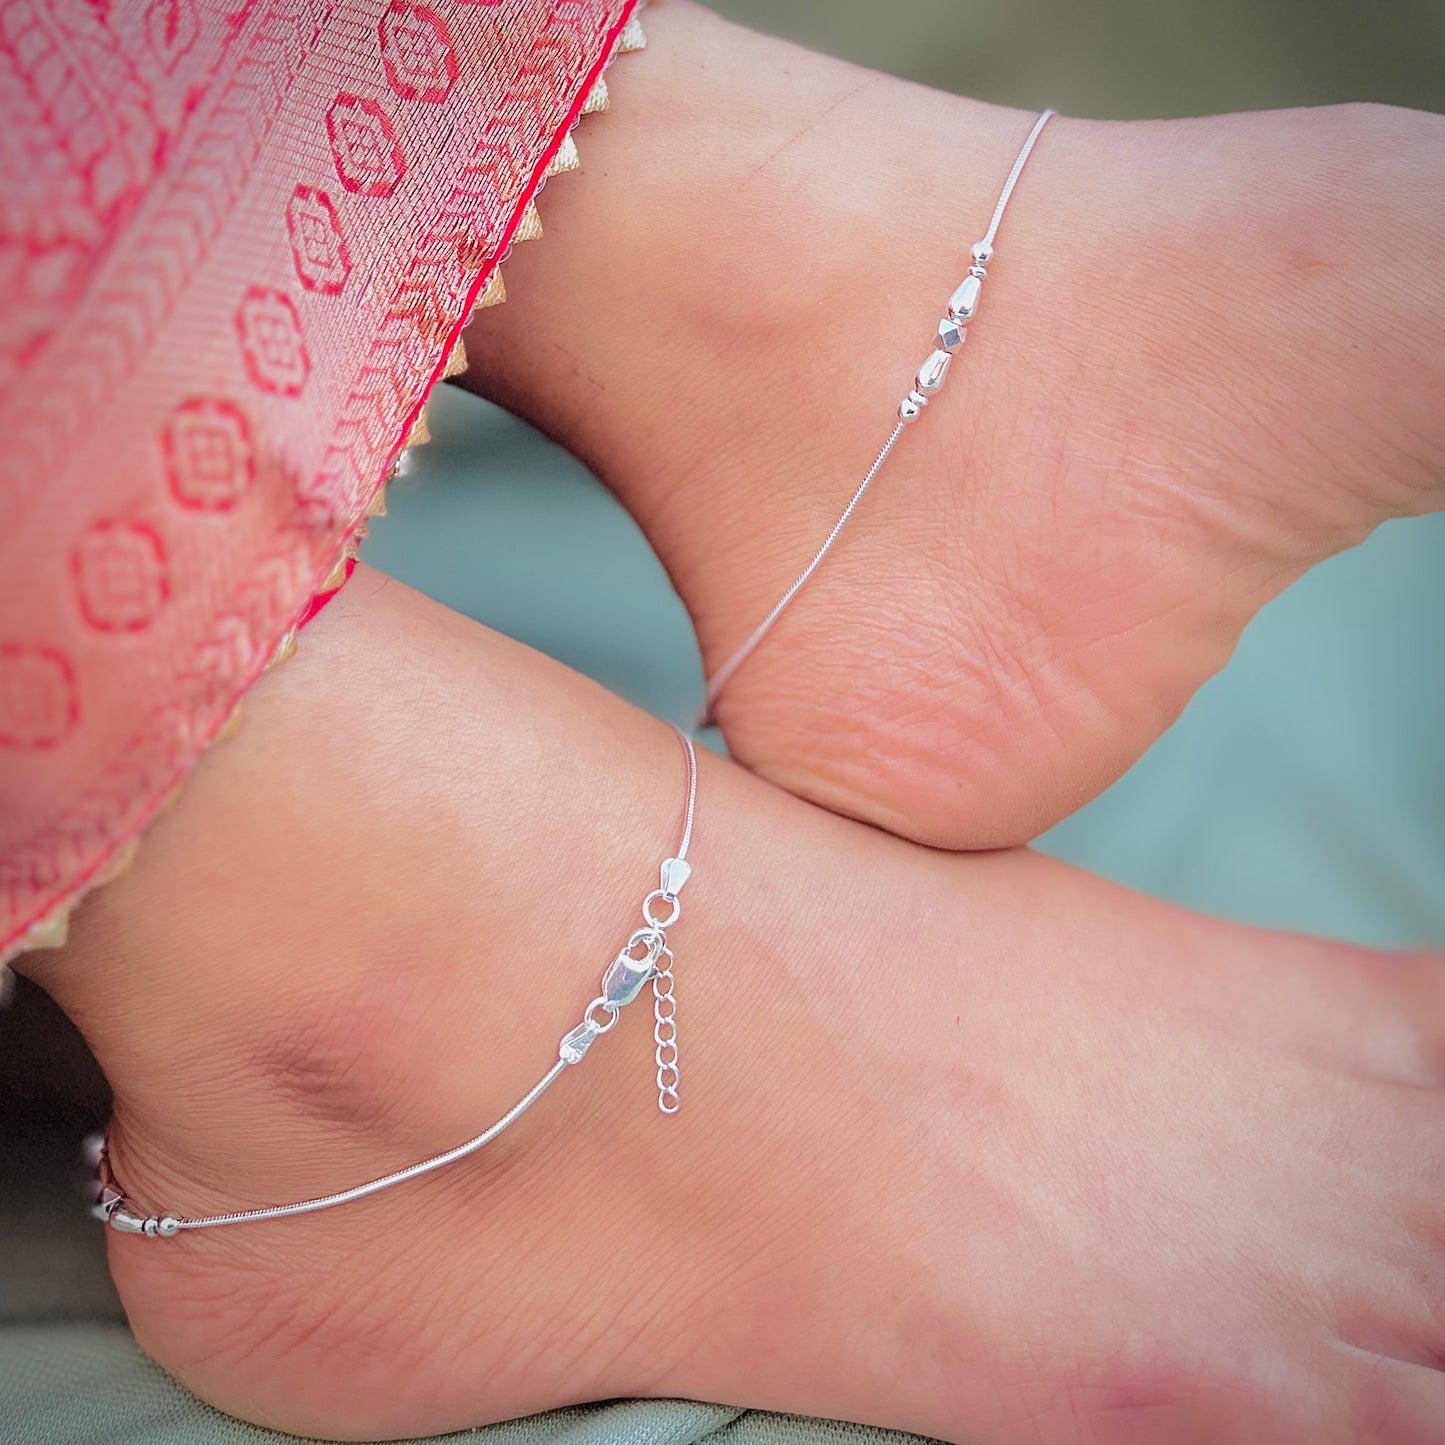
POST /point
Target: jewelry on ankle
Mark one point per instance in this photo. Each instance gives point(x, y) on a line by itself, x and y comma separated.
point(645, 958)
point(952, 333)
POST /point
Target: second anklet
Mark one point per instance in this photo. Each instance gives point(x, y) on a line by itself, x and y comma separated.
point(952, 332)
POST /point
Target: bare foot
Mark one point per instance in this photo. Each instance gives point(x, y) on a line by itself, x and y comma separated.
point(973, 1146)
point(1209, 353)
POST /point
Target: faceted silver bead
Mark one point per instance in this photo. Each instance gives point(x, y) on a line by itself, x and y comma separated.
point(931, 373)
point(951, 334)
point(964, 302)
point(910, 406)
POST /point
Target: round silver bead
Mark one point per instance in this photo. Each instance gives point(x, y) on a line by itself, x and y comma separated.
point(981, 252)
point(910, 406)
point(168, 1225)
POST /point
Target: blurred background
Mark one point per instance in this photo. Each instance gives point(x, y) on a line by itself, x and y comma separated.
point(1133, 58)
point(1305, 786)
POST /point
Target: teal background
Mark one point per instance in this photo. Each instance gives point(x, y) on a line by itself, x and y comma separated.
point(1304, 787)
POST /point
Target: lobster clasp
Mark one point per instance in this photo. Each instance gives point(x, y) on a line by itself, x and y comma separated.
point(626, 977)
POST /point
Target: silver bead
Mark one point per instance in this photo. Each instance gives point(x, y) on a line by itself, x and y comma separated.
point(964, 302)
point(911, 405)
point(168, 1225)
point(979, 272)
point(931, 373)
point(951, 335)
point(981, 252)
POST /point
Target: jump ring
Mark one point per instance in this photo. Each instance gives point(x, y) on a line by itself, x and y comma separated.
point(651, 918)
point(612, 1015)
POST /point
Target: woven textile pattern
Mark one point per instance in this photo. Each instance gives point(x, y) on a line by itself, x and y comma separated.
point(238, 239)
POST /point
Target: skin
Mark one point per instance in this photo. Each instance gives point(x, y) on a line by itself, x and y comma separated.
point(1209, 353)
point(976, 1146)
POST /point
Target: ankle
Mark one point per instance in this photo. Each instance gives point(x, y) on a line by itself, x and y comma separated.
point(291, 997)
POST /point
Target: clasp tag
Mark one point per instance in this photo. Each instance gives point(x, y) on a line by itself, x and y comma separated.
point(675, 872)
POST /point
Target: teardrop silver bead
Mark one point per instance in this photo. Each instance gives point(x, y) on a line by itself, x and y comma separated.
point(931, 373)
point(964, 302)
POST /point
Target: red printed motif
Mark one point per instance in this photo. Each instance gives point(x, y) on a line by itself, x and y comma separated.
point(271, 341)
point(364, 146)
point(416, 49)
point(171, 28)
point(120, 576)
point(208, 455)
point(38, 704)
point(318, 249)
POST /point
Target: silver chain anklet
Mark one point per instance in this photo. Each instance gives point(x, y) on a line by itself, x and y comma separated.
point(952, 333)
point(645, 958)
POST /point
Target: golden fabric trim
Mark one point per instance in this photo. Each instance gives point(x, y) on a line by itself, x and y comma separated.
point(598, 99)
point(494, 292)
point(529, 228)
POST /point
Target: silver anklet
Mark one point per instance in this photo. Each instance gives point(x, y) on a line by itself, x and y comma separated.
point(952, 332)
point(646, 958)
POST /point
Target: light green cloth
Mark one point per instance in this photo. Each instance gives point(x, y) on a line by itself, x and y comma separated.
point(88, 1384)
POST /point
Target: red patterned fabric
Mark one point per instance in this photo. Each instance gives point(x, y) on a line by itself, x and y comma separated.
point(238, 240)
